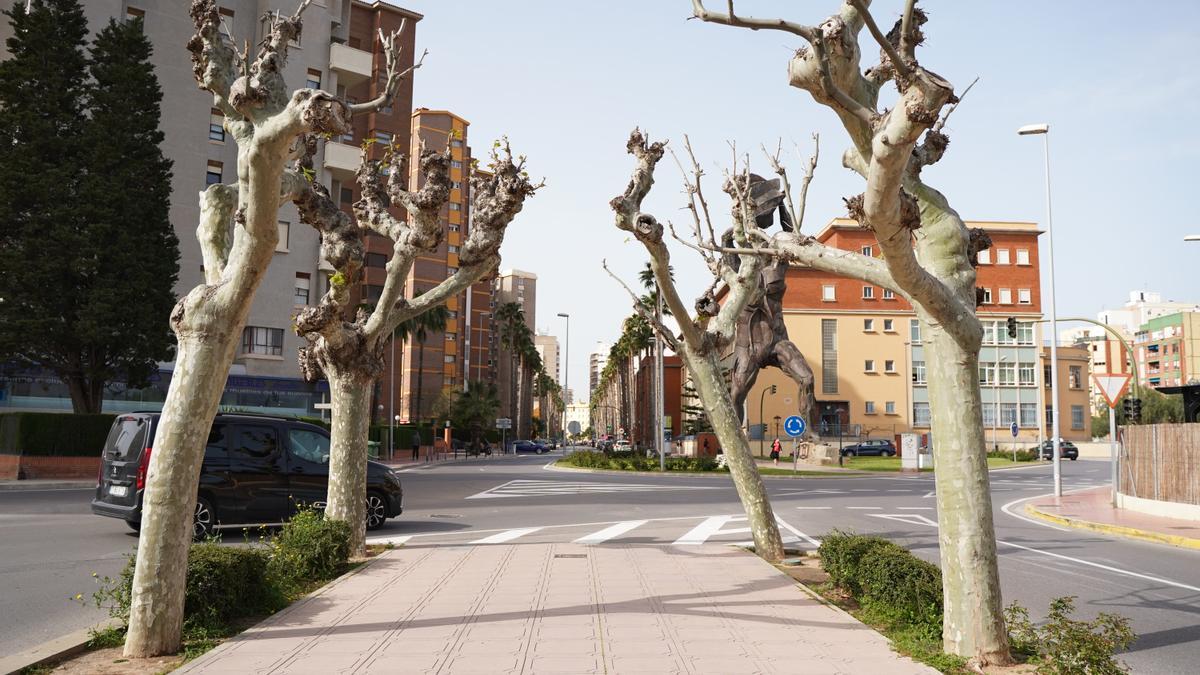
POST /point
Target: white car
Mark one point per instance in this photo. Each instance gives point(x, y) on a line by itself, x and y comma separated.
point(622, 446)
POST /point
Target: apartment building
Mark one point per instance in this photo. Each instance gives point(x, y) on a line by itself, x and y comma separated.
point(1074, 392)
point(513, 285)
point(337, 52)
point(866, 349)
point(643, 429)
point(1167, 349)
point(596, 361)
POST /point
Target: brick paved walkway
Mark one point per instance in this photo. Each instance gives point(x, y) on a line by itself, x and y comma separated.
point(560, 608)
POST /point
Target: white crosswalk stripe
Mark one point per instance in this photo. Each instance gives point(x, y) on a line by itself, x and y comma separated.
point(507, 535)
point(610, 532)
point(550, 488)
point(707, 528)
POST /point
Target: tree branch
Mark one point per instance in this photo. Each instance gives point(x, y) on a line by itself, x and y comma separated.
point(729, 19)
point(391, 52)
point(214, 61)
point(898, 64)
point(659, 327)
point(217, 204)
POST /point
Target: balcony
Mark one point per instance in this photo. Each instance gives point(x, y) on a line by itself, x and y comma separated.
point(353, 66)
point(342, 160)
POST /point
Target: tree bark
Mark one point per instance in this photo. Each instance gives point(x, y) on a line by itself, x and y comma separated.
point(83, 400)
point(350, 395)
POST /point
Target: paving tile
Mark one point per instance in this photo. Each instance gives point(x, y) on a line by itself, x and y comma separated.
point(495, 663)
point(562, 665)
point(633, 665)
point(566, 647)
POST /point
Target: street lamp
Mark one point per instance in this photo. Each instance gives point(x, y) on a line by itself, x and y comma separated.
point(1190, 237)
point(996, 399)
point(1043, 130)
point(566, 373)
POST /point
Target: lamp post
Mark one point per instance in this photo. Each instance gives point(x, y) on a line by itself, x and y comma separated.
point(1043, 130)
point(762, 431)
point(996, 400)
point(1192, 237)
point(566, 373)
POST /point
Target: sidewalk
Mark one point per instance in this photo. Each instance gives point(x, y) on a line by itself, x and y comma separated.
point(560, 608)
point(1093, 510)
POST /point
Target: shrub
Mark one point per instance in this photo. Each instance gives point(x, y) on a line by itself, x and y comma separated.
point(309, 548)
point(841, 554)
point(902, 585)
point(1066, 646)
point(223, 583)
point(1022, 455)
point(54, 434)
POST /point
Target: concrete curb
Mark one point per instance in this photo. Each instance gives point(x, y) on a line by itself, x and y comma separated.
point(53, 650)
point(1117, 530)
point(697, 474)
point(15, 485)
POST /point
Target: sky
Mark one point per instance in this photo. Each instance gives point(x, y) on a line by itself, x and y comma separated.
point(567, 81)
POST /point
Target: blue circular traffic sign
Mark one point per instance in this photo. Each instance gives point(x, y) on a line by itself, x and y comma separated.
point(1013, 429)
point(794, 426)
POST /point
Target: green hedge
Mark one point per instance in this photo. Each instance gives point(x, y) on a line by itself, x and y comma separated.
point(53, 434)
point(885, 578)
point(590, 459)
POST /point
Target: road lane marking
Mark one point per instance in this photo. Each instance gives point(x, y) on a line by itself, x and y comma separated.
point(796, 532)
point(915, 508)
point(910, 518)
point(814, 507)
point(551, 488)
point(395, 541)
point(507, 535)
point(1007, 509)
point(929, 494)
point(865, 508)
point(700, 533)
point(610, 532)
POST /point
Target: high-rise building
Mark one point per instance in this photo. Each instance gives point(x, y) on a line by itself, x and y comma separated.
point(547, 349)
point(339, 53)
point(510, 286)
point(1168, 350)
point(596, 361)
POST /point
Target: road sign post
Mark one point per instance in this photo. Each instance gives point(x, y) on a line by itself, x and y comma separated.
point(1013, 429)
point(1112, 387)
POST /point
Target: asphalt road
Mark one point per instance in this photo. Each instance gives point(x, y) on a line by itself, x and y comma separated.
point(52, 544)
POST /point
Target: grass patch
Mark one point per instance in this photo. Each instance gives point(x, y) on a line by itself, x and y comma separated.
point(893, 463)
point(590, 459)
point(772, 471)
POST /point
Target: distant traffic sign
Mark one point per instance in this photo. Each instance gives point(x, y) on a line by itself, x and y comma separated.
point(1112, 386)
point(1013, 429)
point(794, 426)
point(503, 423)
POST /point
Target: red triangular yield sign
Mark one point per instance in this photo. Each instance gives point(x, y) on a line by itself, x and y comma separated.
point(1112, 386)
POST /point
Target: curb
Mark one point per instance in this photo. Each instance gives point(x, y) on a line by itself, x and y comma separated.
point(17, 485)
point(53, 650)
point(1117, 530)
point(694, 474)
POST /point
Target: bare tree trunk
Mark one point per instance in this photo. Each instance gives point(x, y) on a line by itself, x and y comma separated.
point(83, 396)
point(710, 385)
point(350, 396)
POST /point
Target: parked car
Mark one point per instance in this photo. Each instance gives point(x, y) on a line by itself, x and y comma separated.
point(546, 443)
point(622, 446)
point(879, 446)
point(257, 470)
point(527, 446)
point(1066, 449)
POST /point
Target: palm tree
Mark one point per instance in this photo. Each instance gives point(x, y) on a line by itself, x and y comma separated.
point(513, 330)
point(419, 328)
point(474, 409)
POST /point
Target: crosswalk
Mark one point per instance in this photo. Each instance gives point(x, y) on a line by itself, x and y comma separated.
point(554, 488)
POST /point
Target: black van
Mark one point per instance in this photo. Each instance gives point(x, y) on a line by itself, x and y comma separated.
point(257, 470)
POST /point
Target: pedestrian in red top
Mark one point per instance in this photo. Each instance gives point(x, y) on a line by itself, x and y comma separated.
point(775, 449)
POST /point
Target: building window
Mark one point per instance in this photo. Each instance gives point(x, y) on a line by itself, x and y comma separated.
point(451, 270)
point(449, 358)
point(989, 332)
point(1049, 417)
point(1025, 332)
point(1008, 414)
point(455, 143)
point(1001, 256)
point(866, 250)
point(213, 176)
point(448, 381)
point(987, 373)
point(889, 325)
point(455, 164)
point(1025, 374)
point(1008, 374)
point(1076, 417)
point(829, 382)
point(870, 407)
point(226, 21)
point(1076, 376)
point(259, 340)
point(868, 292)
point(1006, 296)
point(889, 366)
point(285, 230)
point(383, 136)
point(920, 414)
point(456, 185)
point(371, 292)
point(302, 282)
point(1028, 415)
point(216, 126)
point(451, 337)
point(869, 366)
point(828, 293)
point(987, 296)
point(918, 374)
point(346, 195)
point(989, 415)
point(914, 330)
point(889, 408)
point(869, 325)
point(1024, 296)
point(451, 248)
point(1022, 256)
point(375, 260)
point(1046, 375)
point(133, 14)
point(313, 79)
point(455, 206)
point(888, 294)
point(452, 227)
point(984, 257)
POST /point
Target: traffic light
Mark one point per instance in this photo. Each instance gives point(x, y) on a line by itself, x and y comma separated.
point(1012, 327)
point(1133, 409)
point(1127, 407)
point(772, 390)
point(1137, 410)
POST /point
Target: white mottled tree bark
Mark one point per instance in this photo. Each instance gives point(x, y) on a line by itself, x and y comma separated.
point(265, 122)
point(350, 352)
point(928, 256)
point(703, 342)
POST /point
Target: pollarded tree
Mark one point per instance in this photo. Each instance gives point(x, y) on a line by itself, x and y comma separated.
point(350, 353)
point(269, 123)
point(928, 259)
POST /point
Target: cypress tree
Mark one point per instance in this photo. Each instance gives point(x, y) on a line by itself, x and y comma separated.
point(87, 256)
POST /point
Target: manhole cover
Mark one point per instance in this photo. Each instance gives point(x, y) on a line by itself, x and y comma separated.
point(570, 555)
point(445, 515)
